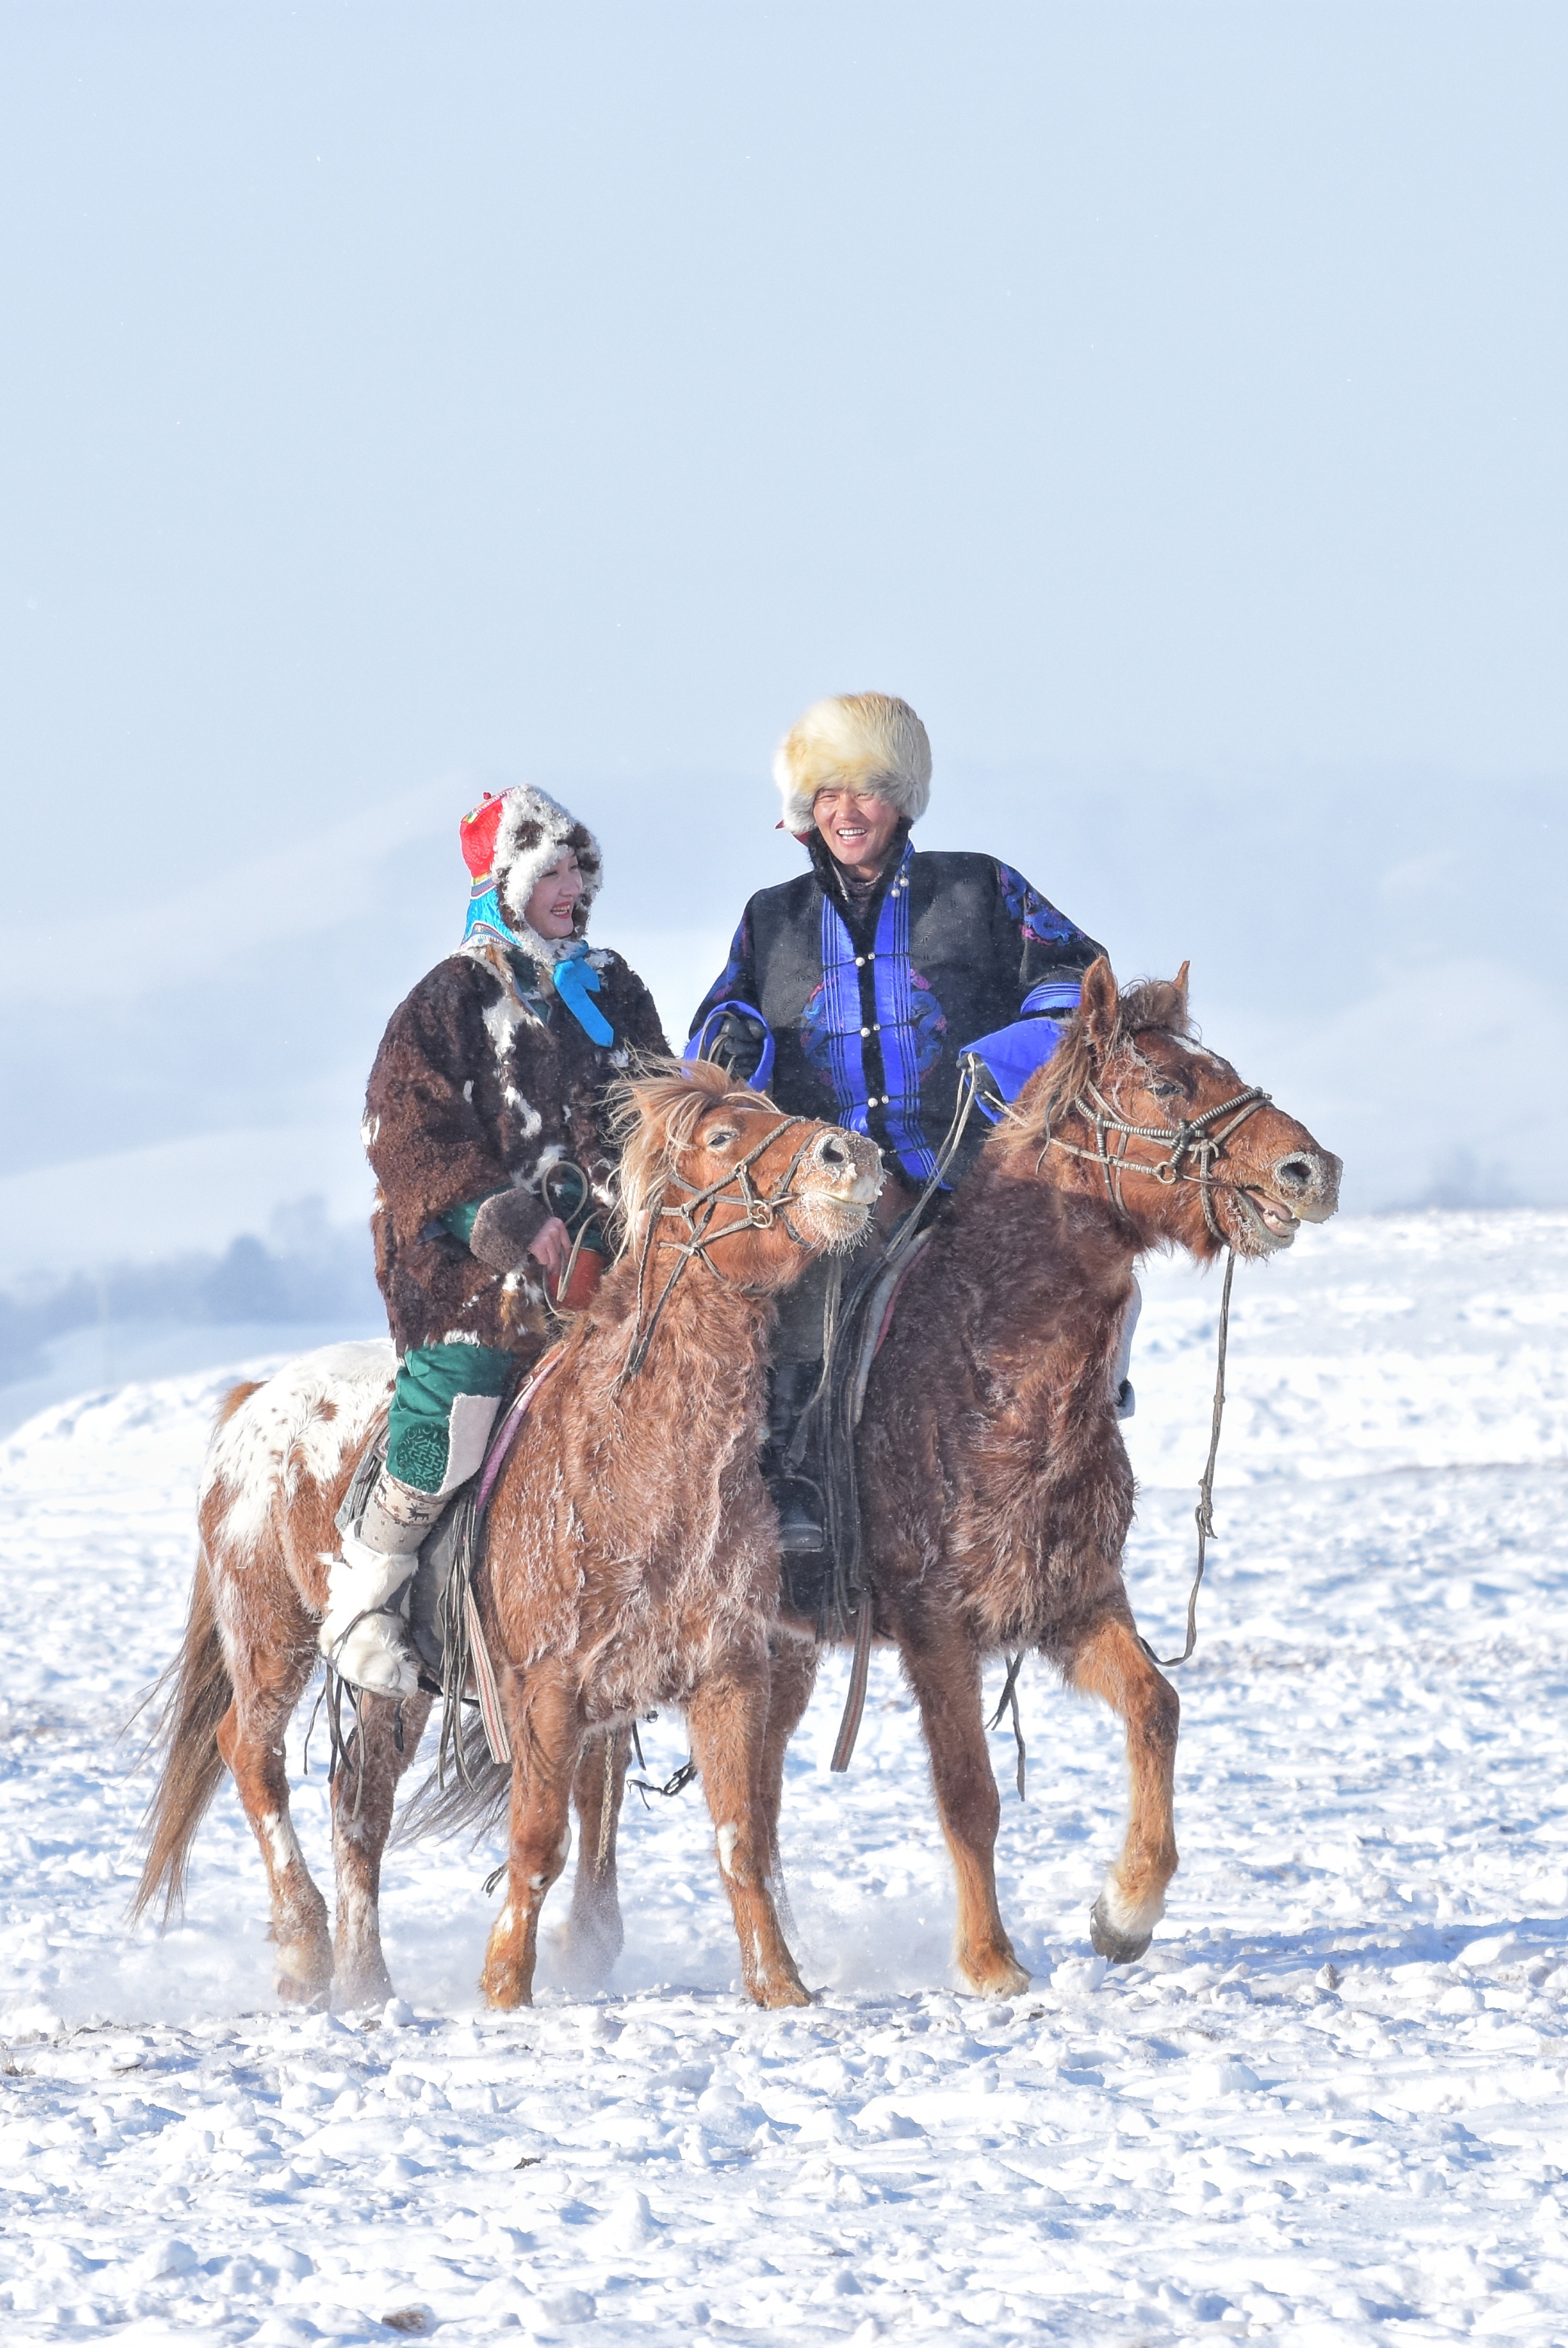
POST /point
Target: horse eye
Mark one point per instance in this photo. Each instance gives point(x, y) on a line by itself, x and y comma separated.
point(1163, 1091)
point(722, 1138)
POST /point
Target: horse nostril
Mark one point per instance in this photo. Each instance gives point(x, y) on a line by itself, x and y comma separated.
point(1296, 1173)
point(832, 1153)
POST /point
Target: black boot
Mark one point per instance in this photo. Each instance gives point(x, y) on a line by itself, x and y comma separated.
point(797, 1492)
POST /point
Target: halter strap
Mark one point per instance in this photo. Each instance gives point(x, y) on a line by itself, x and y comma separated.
point(698, 1214)
point(1189, 1137)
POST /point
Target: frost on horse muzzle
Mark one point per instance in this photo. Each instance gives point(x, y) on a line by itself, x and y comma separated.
point(837, 1184)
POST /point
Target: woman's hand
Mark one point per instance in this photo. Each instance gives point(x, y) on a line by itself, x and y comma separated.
point(551, 1245)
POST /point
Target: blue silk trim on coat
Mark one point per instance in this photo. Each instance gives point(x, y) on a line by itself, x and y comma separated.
point(842, 1023)
point(1062, 995)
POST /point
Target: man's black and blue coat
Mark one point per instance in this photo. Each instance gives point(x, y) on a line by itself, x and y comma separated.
point(869, 1006)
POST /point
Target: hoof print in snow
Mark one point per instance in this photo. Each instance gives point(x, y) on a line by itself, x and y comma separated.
point(1117, 1948)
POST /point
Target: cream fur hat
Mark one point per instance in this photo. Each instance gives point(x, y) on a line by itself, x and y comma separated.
point(861, 741)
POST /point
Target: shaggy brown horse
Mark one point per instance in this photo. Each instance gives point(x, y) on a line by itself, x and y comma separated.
point(995, 1486)
point(632, 1558)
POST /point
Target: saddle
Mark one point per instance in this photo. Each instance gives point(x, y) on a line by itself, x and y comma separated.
point(826, 1586)
point(443, 1617)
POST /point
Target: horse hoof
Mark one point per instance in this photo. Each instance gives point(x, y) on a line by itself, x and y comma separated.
point(305, 1996)
point(503, 1991)
point(773, 1994)
point(592, 1951)
point(360, 1992)
point(1118, 1948)
point(997, 1976)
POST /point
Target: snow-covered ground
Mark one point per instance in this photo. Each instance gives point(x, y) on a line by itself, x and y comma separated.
point(1331, 2106)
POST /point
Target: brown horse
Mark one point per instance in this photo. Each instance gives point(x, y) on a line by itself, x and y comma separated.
point(995, 1490)
point(632, 1558)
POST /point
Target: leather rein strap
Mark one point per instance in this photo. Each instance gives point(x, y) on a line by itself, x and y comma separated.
point(698, 1213)
point(1191, 1137)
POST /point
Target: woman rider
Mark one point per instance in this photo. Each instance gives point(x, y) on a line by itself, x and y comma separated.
point(862, 982)
point(485, 1126)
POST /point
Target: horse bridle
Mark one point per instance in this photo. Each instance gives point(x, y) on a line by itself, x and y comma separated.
point(1190, 1137)
point(698, 1212)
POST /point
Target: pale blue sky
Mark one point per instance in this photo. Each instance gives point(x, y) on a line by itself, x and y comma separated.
point(395, 399)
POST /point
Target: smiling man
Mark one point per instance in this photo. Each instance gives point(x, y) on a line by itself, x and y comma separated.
point(852, 991)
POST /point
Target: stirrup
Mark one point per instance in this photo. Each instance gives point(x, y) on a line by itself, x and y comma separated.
point(797, 1503)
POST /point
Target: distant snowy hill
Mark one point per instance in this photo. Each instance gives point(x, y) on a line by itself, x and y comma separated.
point(1331, 2106)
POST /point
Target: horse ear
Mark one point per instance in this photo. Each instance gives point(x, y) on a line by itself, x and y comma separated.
point(1100, 1003)
point(1181, 985)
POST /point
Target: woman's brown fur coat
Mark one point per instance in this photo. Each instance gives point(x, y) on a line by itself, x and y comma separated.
point(484, 1079)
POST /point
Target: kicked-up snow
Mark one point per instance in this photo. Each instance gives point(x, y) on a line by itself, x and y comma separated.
point(1331, 2106)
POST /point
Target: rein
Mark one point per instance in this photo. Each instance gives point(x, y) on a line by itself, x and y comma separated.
point(698, 1213)
point(855, 1602)
point(1205, 1511)
point(1191, 1136)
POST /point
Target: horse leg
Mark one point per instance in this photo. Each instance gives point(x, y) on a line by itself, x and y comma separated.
point(547, 1737)
point(364, 1791)
point(1109, 1663)
point(727, 1721)
point(944, 1670)
point(250, 1739)
point(595, 1935)
point(792, 1675)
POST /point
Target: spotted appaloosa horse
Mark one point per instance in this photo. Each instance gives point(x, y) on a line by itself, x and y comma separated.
point(995, 1486)
point(633, 1559)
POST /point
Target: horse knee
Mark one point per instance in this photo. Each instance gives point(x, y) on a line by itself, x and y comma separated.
point(966, 1795)
point(1159, 1721)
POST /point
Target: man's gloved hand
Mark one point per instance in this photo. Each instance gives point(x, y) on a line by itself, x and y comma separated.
point(737, 1046)
point(505, 1227)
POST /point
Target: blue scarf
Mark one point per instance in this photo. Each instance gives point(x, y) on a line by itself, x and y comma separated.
point(574, 978)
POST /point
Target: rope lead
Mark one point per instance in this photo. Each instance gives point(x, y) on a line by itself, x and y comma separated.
point(1205, 1511)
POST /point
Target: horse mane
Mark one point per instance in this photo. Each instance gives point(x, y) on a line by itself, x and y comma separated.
point(653, 1116)
point(1077, 1059)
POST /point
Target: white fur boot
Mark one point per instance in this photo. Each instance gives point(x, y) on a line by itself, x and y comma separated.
point(362, 1633)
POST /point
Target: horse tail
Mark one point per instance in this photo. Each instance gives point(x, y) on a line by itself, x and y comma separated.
point(200, 1692)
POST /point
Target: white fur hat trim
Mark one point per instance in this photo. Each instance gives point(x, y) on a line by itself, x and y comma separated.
point(862, 742)
point(533, 831)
